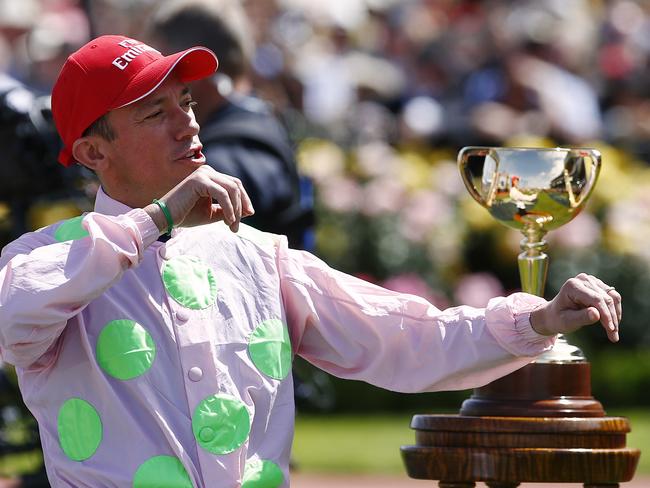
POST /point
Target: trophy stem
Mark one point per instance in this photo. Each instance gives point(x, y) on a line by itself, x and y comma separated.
point(533, 269)
point(533, 262)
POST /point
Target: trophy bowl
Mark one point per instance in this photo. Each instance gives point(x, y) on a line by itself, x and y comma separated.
point(526, 188)
point(533, 190)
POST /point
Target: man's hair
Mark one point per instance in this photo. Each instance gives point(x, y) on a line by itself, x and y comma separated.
point(102, 128)
point(219, 25)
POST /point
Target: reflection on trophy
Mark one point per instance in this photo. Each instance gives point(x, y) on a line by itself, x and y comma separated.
point(532, 190)
point(539, 423)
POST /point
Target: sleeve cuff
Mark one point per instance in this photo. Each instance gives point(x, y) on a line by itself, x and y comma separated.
point(509, 321)
point(146, 226)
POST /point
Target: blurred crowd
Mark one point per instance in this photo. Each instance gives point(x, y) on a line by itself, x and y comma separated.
point(440, 71)
point(379, 95)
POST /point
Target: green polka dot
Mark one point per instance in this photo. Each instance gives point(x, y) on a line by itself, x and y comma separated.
point(221, 424)
point(125, 349)
point(190, 282)
point(71, 230)
point(80, 429)
point(270, 349)
point(162, 472)
point(262, 474)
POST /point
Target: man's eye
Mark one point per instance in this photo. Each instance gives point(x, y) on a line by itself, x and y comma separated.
point(154, 115)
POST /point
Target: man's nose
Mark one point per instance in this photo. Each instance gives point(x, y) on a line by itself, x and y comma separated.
point(185, 125)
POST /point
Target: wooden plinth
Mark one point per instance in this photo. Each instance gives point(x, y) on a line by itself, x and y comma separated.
point(539, 424)
point(454, 448)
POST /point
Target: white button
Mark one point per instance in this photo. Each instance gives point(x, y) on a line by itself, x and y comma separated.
point(163, 252)
point(195, 373)
point(182, 316)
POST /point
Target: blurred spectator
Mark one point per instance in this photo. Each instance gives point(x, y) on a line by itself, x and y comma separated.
point(239, 134)
point(414, 72)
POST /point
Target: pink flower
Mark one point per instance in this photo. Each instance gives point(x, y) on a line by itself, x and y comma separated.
point(477, 289)
point(414, 285)
point(446, 179)
point(376, 159)
point(581, 232)
point(424, 211)
point(382, 196)
point(340, 194)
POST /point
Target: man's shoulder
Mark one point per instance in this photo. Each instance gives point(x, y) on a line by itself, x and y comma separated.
point(63, 230)
point(251, 105)
point(244, 118)
point(247, 236)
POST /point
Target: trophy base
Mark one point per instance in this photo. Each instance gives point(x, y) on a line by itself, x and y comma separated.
point(506, 451)
point(539, 424)
point(537, 390)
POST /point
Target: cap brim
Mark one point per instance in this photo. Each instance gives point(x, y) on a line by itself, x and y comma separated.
point(191, 64)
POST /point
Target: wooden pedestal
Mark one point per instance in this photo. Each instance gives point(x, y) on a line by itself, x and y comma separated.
point(539, 424)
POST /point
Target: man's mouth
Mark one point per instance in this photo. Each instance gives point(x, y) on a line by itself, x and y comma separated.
point(193, 154)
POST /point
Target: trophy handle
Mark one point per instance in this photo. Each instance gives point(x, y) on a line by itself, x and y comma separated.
point(596, 160)
point(463, 160)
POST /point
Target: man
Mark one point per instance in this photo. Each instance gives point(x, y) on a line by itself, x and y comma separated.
point(167, 364)
point(240, 135)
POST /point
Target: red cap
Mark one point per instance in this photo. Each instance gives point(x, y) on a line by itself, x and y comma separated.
point(111, 72)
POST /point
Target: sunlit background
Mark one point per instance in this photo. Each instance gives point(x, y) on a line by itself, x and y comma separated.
point(378, 97)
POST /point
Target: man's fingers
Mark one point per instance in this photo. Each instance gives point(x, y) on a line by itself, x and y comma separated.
point(217, 215)
point(247, 205)
point(235, 199)
point(585, 296)
point(222, 198)
point(614, 295)
point(603, 290)
point(576, 318)
point(239, 198)
point(225, 193)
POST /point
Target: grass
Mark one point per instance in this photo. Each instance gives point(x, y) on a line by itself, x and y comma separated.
point(370, 444)
point(351, 444)
point(639, 438)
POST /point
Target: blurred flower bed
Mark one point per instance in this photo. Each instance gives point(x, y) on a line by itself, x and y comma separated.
point(402, 218)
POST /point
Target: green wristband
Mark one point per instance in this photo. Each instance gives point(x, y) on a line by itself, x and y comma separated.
point(168, 216)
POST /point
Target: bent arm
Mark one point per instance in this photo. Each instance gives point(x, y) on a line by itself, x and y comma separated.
point(43, 283)
point(356, 330)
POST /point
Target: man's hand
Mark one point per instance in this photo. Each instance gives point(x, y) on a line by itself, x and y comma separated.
point(191, 202)
point(582, 300)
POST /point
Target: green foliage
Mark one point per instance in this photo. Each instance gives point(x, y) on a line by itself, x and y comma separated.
point(639, 437)
point(620, 378)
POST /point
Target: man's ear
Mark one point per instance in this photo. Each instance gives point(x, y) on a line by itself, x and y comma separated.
point(91, 151)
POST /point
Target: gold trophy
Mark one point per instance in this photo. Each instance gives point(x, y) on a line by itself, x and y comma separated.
point(539, 423)
point(533, 190)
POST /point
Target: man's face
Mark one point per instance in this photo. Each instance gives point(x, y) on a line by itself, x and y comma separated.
point(156, 145)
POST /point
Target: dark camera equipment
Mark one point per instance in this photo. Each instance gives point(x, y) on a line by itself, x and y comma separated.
point(29, 171)
point(29, 145)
